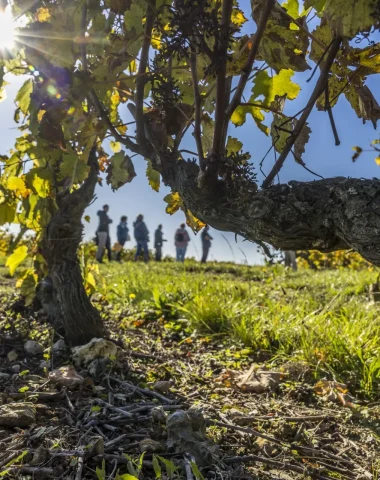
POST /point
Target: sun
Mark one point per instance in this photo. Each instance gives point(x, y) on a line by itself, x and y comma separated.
point(7, 30)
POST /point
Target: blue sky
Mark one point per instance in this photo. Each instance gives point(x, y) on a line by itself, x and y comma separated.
point(321, 156)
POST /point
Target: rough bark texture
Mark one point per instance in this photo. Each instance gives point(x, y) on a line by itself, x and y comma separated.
point(325, 215)
point(80, 320)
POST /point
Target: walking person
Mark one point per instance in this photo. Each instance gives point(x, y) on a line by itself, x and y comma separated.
point(290, 259)
point(142, 238)
point(103, 233)
point(122, 235)
point(206, 243)
point(158, 241)
point(181, 240)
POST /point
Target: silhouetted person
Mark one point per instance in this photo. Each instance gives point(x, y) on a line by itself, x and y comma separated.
point(122, 235)
point(206, 243)
point(158, 242)
point(181, 240)
point(142, 238)
point(103, 234)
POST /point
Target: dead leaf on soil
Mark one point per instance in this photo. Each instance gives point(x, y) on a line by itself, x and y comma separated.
point(253, 380)
point(334, 392)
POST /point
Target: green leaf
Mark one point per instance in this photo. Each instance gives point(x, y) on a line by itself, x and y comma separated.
point(126, 476)
point(101, 472)
point(17, 257)
point(292, 7)
point(196, 471)
point(23, 96)
point(239, 117)
point(120, 170)
point(233, 145)
point(133, 18)
point(278, 85)
point(74, 167)
point(7, 213)
point(169, 466)
point(156, 467)
point(318, 5)
point(349, 17)
point(153, 177)
point(23, 390)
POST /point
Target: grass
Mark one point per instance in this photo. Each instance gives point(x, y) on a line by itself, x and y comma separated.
point(322, 318)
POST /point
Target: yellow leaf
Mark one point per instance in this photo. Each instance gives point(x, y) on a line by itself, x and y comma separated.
point(153, 177)
point(17, 257)
point(43, 14)
point(174, 202)
point(377, 160)
point(193, 222)
point(17, 185)
point(115, 146)
point(87, 218)
point(238, 18)
point(40, 115)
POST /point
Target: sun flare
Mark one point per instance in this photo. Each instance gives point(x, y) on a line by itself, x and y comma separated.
point(7, 30)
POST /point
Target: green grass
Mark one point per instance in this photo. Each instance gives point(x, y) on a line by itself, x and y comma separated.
point(322, 318)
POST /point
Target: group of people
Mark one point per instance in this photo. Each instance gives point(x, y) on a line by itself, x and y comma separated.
point(141, 234)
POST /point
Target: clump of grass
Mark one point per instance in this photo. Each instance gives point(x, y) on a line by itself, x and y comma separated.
point(322, 318)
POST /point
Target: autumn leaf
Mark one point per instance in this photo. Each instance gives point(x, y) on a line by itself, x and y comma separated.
point(120, 170)
point(174, 202)
point(43, 14)
point(17, 257)
point(233, 145)
point(153, 177)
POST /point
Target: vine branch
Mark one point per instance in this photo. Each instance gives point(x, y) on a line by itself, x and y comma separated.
point(141, 78)
point(197, 102)
point(318, 90)
point(251, 59)
point(220, 104)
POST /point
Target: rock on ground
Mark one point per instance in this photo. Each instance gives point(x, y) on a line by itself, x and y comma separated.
point(17, 415)
point(32, 347)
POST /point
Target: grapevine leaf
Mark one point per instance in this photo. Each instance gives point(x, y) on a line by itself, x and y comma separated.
point(282, 46)
point(299, 145)
point(364, 104)
point(193, 222)
point(239, 116)
point(292, 7)
point(115, 146)
point(153, 177)
point(237, 17)
point(27, 285)
point(133, 18)
point(43, 14)
point(17, 257)
point(366, 59)
point(7, 213)
point(233, 145)
point(17, 185)
point(349, 17)
point(23, 96)
point(278, 85)
point(74, 167)
point(318, 5)
point(120, 170)
point(174, 202)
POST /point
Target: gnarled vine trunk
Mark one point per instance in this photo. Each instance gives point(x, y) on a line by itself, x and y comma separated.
point(69, 301)
point(325, 215)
